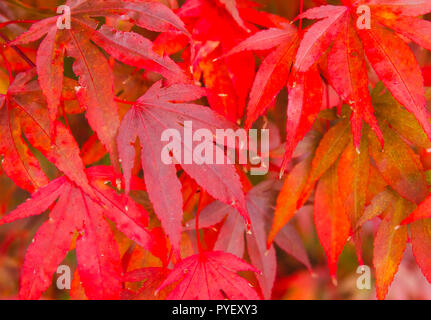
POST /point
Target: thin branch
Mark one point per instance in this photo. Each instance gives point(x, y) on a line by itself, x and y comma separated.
point(4, 24)
point(301, 8)
point(198, 211)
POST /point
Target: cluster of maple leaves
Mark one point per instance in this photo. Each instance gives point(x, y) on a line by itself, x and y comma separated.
point(357, 125)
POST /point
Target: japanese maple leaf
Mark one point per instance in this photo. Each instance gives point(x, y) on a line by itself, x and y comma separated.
point(75, 212)
point(214, 33)
point(23, 112)
point(332, 223)
point(210, 276)
point(388, 54)
point(231, 235)
point(155, 113)
point(305, 88)
point(95, 92)
point(353, 188)
point(389, 245)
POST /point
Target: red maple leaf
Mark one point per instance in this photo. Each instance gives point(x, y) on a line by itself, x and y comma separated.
point(154, 113)
point(210, 276)
point(388, 54)
point(230, 238)
point(76, 212)
point(23, 111)
point(95, 95)
point(305, 88)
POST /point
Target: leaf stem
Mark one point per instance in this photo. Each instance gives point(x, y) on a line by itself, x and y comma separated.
point(18, 50)
point(198, 211)
point(4, 24)
point(301, 9)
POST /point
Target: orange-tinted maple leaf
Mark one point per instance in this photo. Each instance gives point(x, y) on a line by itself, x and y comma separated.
point(330, 218)
point(389, 245)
